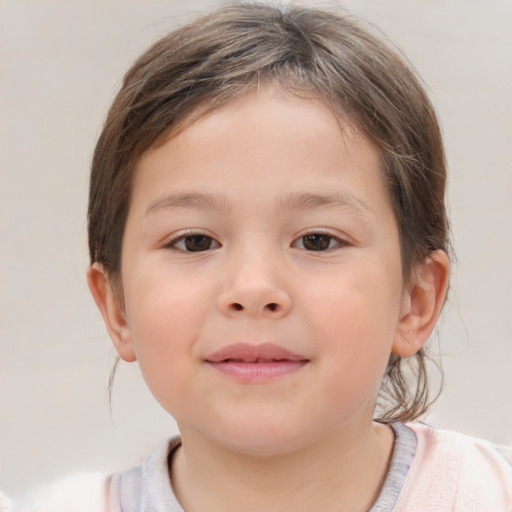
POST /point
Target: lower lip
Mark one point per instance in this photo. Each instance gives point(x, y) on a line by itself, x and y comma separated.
point(257, 371)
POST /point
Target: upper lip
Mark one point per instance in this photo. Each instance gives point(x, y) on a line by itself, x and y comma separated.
point(245, 352)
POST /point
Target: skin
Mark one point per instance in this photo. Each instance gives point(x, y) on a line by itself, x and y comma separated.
point(258, 177)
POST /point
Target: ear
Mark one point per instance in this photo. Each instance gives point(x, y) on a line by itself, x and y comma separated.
point(112, 310)
point(422, 304)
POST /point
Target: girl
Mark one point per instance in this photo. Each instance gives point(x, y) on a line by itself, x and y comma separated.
point(269, 241)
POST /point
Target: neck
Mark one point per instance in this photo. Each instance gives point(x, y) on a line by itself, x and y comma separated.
point(344, 470)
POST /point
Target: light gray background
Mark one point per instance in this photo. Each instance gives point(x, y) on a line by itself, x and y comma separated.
point(61, 63)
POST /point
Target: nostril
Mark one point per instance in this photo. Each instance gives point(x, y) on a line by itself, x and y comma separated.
point(237, 306)
point(272, 306)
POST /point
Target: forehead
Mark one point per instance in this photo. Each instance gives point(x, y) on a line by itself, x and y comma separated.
point(260, 138)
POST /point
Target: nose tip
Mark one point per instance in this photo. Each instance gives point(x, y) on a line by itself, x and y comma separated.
point(255, 285)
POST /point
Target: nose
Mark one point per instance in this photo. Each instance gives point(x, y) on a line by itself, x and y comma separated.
point(255, 289)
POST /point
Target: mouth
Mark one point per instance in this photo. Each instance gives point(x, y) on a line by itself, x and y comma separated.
point(256, 362)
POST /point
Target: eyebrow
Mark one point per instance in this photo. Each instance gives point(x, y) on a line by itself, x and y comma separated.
point(336, 199)
point(198, 200)
point(292, 201)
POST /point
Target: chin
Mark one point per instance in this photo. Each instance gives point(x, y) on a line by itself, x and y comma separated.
point(261, 439)
point(260, 446)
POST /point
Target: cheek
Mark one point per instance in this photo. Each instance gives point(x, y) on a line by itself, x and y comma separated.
point(164, 316)
point(163, 334)
point(356, 317)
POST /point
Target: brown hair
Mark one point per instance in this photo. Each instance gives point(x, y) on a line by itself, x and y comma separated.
point(312, 53)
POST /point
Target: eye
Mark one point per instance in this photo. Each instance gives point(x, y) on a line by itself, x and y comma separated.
point(319, 242)
point(194, 243)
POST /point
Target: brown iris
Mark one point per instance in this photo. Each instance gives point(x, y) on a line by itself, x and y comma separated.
point(316, 242)
point(196, 243)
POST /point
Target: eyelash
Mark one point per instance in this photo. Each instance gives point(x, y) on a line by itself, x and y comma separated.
point(201, 238)
point(174, 243)
point(330, 240)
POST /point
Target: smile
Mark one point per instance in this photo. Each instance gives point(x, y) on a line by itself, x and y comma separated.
point(262, 362)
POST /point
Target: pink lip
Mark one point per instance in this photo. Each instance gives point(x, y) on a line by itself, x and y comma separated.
point(256, 362)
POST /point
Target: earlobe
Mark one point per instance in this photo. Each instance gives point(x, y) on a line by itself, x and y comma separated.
point(112, 311)
point(422, 304)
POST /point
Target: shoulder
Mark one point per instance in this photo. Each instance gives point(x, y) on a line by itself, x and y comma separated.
point(100, 492)
point(453, 471)
point(87, 492)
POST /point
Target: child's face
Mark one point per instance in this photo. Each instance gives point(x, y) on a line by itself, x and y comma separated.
point(262, 224)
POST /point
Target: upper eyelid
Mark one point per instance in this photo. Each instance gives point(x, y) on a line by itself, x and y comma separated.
point(181, 233)
point(319, 231)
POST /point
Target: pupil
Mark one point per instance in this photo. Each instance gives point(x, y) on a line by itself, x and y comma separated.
point(317, 242)
point(197, 243)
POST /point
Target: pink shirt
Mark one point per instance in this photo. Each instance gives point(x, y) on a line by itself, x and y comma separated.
point(454, 472)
